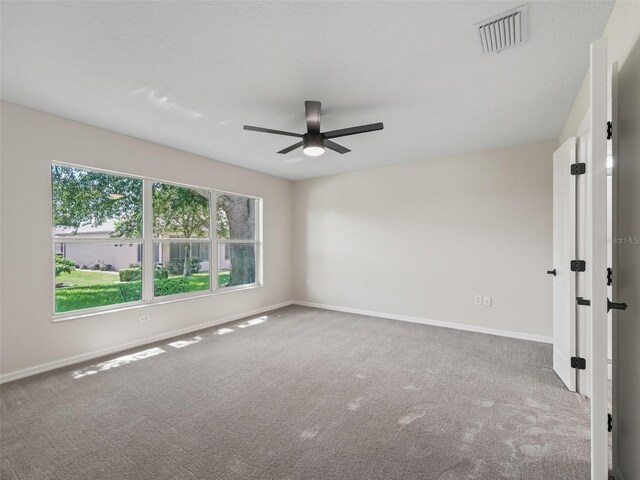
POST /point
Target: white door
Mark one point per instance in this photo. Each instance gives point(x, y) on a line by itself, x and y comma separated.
point(564, 249)
point(596, 258)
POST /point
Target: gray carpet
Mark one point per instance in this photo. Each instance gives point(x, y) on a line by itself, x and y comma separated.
point(303, 394)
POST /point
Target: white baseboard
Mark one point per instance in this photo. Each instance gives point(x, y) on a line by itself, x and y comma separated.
point(65, 362)
point(436, 323)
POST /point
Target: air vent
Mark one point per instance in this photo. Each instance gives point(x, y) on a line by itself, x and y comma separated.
point(504, 31)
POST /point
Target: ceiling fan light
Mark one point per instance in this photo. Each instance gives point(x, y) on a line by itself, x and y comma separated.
point(312, 144)
point(313, 150)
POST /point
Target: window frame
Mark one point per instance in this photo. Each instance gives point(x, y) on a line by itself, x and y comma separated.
point(148, 240)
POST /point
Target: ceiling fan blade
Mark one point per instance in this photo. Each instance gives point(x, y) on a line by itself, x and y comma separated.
point(313, 112)
point(343, 132)
point(335, 147)
point(269, 130)
point(291, 148)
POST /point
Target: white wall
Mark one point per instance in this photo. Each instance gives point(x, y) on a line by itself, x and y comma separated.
point(623, 39)
point(622, 31)
point(31, 140)
point(421, 239)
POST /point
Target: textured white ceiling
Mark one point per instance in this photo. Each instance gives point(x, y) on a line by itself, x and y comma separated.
point(190, 74)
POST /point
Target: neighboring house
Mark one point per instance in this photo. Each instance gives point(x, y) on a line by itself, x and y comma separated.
point(121, 256)
point(118, 256)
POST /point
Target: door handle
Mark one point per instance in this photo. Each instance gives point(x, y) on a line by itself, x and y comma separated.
point(610, 305)
point(552, 272)
point(615, 306)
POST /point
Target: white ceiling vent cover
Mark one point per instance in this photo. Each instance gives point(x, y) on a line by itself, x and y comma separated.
point(504, 31)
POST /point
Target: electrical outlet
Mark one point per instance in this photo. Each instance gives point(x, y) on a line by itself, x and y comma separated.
point(486, 301)
point(478, 299)
point(143, 318)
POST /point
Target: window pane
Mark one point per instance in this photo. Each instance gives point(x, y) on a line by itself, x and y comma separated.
point(91, 275)
point(240, 267)
point(181, 268)
point(180, 212)
point(236, 217)
point(95, 204)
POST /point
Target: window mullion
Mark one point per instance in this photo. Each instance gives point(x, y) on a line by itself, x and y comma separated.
point(181, 240)
point(85, 239)
point(213, 245)
point(258, 237)
point(237, 242)
point(147, 240)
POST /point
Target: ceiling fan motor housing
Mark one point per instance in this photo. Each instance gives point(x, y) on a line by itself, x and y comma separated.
point(313, 140)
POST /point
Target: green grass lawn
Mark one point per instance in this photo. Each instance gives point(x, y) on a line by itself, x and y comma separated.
point(87, 278)
point(88, 288)
point(97, 295)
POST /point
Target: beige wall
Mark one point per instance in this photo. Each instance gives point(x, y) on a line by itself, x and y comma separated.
point(623, 38)
point(421, 239)
point(31, 140)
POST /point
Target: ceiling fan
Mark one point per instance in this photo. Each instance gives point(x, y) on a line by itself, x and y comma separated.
point(314, 142)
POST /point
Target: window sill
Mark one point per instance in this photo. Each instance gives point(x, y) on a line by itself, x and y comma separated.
point(75, 315)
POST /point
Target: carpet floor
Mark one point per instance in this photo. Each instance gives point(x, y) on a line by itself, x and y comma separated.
point(301, 393)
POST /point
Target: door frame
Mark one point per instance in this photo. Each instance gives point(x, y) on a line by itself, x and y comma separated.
point(583, 326)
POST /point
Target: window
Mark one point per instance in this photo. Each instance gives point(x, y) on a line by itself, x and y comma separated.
point(102, 257)
point(237, 233)
point(181, 222)
point(97, 229)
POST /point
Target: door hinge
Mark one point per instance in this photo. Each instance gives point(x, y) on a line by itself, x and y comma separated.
point(609, 276)
point(609, 130)
point(578, 363)
point(578, 168)
point(609, 422)
point(578, 266)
